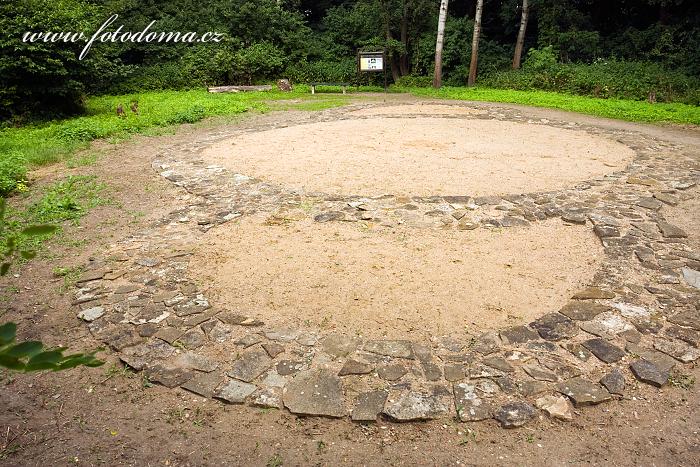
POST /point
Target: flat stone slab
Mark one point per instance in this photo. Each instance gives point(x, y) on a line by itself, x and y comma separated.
point(583, 392)
point(269, 398)
point(338, 345)
point(614, 382)
point(353, 367)
point(692, 277)
point(593, 293)
point(514, 414)
point(413, 405)
point(315, 392)
point(91, 314)
point(390, 348)
point(678, 350)
point(688, 319)
point(235, 392)
point(168, 376)
point(193, 361)
point(604, 350)
point(469, 406)
point(518, 335)
point(671, 231)
point(647, 372)
point(554, 327)
point(250, 365)
point(606, 324)
point(583, 310)
point(368, 406)
point(204, 384)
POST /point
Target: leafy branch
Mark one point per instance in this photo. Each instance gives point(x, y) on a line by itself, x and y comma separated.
point(31, 356)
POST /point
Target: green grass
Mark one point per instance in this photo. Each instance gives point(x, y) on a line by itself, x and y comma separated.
point(634, 111)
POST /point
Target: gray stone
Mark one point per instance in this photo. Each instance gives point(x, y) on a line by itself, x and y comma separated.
point(532, 388)
point(518, 335)
point(661, 360)
point(514, 414)
point(666, 198)
point(556, 407)
point(578, 351)
point(574, 218)
point(606, 324)
point(593, 293)
point(269, 398)
point(539, 373)
point(487, 343)
point(647, 372)
point(329, 216)
point(250, 365)
point(688, 319)
point(148, 262)
point(469, 406)
point(692, 277)
point(606, 231)
point(169, 335)
point(126, 289)
point(339, 346)
point(248, 340)
point(315, 392)
point(289, 367)
point(307, 339)
point(193, 339)
point(649, 203)
point(583, 310)
point(353, 367)
point(671, 231)
point(455, 372)
point(614, 382)
point(168, 376)
point(583, 392)
point(392, 372)
point(390, 348)
point(235, 392)
point(604, 350)
point(409, 406)
point(204, 384)
point(91, 314)
point(499, 364)
point(678, 350)
point(554, 327)
point(273, 349)
point(431, 371)
point(368, 406)
point(193, 361)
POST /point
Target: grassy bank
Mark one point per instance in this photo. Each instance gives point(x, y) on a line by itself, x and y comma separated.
point(633, 111)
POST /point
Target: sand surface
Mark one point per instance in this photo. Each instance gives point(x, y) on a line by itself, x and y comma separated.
point(417, 109)
point(394, 281)
point(420, 156)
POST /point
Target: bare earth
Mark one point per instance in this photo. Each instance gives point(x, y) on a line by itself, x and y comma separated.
point(420, 156)
point(395, 282)
point(111, 416)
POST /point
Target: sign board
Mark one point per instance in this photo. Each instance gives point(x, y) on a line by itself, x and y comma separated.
point(371, 61)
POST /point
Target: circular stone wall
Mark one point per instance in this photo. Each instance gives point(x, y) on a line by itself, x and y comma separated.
point(394, 282)
point(420, 156)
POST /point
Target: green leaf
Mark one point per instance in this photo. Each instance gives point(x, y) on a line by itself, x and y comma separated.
point(39, 230)
point(28, 254)
point(4, 268)
point(25, 349)
point(49, 356)
point(8, 332)
point(11, 362)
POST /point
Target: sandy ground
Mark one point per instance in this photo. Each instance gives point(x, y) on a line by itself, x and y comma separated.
point(417, 109)
point(420, 156)
point(395, 282)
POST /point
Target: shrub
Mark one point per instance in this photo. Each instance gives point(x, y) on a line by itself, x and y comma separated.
point(13, 172)
point(191, 115)
point(414, 81)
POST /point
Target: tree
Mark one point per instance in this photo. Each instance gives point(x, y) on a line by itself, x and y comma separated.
point(475, 43)
point(437, 77)
point(521, 35)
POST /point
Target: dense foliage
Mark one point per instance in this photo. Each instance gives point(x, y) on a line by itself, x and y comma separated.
point(604, 48)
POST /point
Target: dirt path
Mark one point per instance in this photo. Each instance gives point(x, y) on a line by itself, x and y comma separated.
point(113, 416)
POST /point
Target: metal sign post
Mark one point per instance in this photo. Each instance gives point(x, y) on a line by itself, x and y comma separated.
point(372, 62)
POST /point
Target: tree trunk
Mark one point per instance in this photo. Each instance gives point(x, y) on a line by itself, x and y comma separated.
point(437, 77)
point(403, 63)
point(521, 36)
point(475, 43)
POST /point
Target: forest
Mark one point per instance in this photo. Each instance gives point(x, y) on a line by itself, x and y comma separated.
point(632, 49)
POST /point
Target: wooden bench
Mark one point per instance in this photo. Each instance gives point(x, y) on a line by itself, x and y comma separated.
point(343, 86)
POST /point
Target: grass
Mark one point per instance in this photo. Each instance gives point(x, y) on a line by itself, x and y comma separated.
point(633, 111)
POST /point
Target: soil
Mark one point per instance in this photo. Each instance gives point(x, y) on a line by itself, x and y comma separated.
point(108, 416)
point(395, 282)
point(424, 157)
